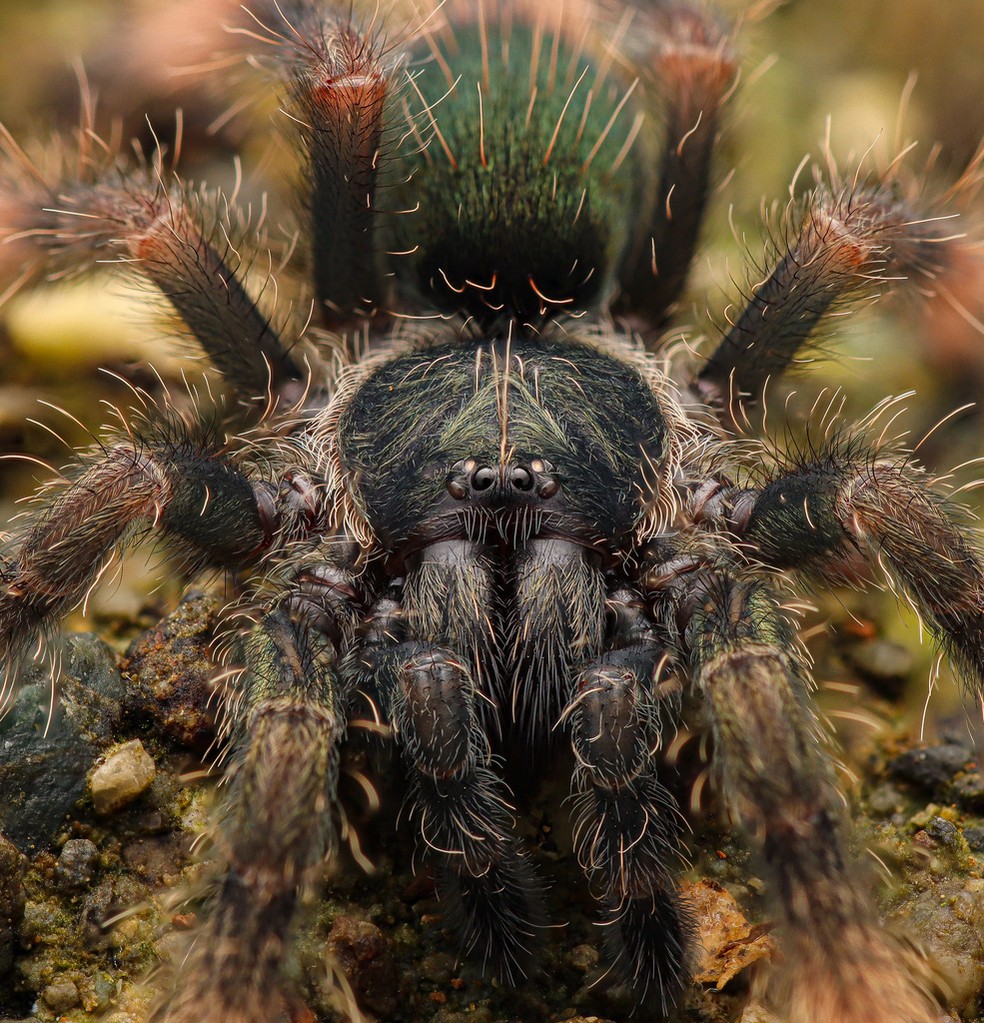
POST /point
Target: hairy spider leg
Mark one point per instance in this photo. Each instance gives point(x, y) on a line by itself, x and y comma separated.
point(820, 513)
point(744, 661)
point(285, 727)
point(188, 491)
point(170, 478)
point(627, 824)
point(428, 694)
point(339, 81)
point(179, 241)
point(687, 63)
point(844, 243)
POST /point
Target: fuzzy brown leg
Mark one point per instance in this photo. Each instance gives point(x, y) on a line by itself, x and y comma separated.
point(627, 829)
point(689, 60)
point(179, 241)
point(192, 494)
point(287, 727)
point(842, 244)
point(174, 483)
point(820, 514)
point(339, 86)
point(838, 966)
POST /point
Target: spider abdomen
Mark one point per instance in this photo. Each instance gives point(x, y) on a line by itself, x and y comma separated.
point(515, 202)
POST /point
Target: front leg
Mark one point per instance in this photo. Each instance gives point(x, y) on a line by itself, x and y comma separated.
point(821, 514)
point(838, 966)
point(285, 727)
point(627, 827)
point(173, 481)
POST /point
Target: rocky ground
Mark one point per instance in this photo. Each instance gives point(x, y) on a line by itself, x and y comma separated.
point(108, 797)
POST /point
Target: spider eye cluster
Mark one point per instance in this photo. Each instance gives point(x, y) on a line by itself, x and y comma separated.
point(472, 477)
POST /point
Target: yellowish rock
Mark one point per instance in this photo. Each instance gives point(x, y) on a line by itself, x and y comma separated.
point(126, 771)
point(728, 941)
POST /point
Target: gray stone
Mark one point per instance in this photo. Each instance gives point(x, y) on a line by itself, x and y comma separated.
point(974, 837)
point(881, 660)
point(931, 768)
point(45, 750)
point(945, 832)
point(968, 790)
point(76, 864)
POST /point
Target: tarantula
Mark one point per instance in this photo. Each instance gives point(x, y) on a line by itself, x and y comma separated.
point(478, 505)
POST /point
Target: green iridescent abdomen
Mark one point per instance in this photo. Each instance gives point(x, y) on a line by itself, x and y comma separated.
point(525, 198)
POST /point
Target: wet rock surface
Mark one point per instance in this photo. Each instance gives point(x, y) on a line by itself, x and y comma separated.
point(47, 749)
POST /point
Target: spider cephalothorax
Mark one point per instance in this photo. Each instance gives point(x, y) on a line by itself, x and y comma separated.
point(502, 519)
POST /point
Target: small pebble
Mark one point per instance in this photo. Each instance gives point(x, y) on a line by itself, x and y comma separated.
point(439, 967)
point(886, 800)
point(968, 790)
point(931, 768)
point(945, 832)
point(61, 995)
point(123, 775)
point(886, 665)
point(77, 863)
point(97, 992)
point(974, 838)
point(755, 1013)
point(584, 958)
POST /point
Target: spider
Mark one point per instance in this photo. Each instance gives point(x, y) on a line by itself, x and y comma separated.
point(483, 503)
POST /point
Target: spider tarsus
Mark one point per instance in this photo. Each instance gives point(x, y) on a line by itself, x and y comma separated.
point(627, 832)
point(462, 807)
point(747, 665)
point(340, 83)
point(840, 966)
point(498, 915)
point(284, 729)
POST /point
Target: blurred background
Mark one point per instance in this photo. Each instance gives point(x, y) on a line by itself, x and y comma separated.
point(846, 62)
